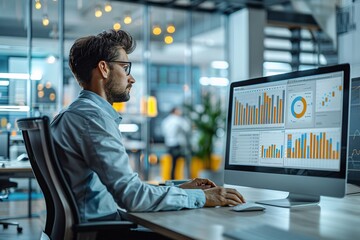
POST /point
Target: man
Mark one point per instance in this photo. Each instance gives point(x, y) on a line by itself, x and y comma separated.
point(175, 130)
point(90, 146)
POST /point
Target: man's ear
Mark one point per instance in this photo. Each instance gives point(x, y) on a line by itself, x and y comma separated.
point(104, 69)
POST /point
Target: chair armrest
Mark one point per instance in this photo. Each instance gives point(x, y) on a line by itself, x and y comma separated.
point(103, 225)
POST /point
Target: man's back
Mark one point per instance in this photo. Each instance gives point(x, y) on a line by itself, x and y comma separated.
point(70, 132)
point(89, 145)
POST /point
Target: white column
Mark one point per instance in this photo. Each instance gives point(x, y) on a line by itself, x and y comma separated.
point(349, 48)
point(246, 44)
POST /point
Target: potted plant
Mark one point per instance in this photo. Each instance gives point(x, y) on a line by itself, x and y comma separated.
point(207, 118)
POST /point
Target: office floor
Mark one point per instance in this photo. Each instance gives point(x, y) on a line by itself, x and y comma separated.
point(32, 227)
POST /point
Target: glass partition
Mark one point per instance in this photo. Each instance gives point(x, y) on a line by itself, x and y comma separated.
point(169, 67)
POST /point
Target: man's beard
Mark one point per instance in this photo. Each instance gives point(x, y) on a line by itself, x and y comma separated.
point(113, 96)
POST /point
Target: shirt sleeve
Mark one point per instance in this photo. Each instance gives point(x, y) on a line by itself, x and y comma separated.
point(106, 155)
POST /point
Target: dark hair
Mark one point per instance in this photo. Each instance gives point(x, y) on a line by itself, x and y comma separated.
point(174, 109)
point(88, 51)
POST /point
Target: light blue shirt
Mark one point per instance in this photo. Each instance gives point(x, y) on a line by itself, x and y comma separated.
point(90, 149)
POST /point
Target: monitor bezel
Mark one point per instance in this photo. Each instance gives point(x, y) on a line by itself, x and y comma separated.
point(353, 177)
point(342, 173)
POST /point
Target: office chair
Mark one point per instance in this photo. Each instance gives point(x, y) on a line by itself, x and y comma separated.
point(5, 185)
point(62, 218)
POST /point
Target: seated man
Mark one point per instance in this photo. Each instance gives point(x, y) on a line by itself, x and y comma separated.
point(90, 147)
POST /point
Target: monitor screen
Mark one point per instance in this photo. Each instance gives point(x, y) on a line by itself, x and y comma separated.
point(354, 134)
point(288, 132)
point(4, 145)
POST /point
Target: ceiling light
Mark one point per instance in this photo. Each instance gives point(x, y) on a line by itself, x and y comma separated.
point(98, 12)
point(128, 127)
point(220, 64)
point(127, 19)
point(116, 26)
point(52, 97)
point(214, 81)
point(48, 85)
point(168, 39)
point(40, 87)
point(23, 76)
point(45, 20)
point(156, 30)
point(170, 28)
point(107, 7)
point(204, 81)
point(51, 59)
point(37, 4)
point(8, 108)
point(219, 81)
point(4, 83)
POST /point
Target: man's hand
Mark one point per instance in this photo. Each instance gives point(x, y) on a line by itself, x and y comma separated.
point(220, 196)
point(198, 183)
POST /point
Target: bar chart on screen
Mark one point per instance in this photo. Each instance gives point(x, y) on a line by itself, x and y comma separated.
point(318, 149)
point(259, 107)
point(271, 150)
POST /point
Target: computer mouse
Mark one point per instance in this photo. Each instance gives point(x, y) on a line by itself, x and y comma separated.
point(248, 206)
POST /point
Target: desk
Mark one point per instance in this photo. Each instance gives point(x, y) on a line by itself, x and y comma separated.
point(333, 218)
point(15, 169)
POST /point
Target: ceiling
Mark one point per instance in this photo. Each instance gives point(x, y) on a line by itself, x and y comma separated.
point(212, 6)
point(79, 13)
point(207, 22)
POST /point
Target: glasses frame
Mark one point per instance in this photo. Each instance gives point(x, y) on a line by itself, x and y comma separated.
point(127, 70)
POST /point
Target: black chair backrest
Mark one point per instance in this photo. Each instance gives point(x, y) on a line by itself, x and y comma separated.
point(62, 211)
point(4, 145)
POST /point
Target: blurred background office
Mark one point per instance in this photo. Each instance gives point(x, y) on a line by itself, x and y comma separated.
point(187, 54)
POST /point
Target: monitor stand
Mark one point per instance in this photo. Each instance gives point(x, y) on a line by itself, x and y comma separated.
point(293, 200)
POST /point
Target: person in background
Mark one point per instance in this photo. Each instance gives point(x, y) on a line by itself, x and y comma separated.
point(90, 146)
point(175, 130)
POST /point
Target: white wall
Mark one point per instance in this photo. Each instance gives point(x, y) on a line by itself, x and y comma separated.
point(349, 44)
point(246, 43)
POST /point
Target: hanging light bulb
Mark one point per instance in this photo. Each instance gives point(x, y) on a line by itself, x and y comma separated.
point(98, 12)
point(168, 39)
point(37, 4)
point(156, 30)
point(117, 26)
point(45, 20)
point(127, 19)
point(170, 28)
point(107, 7)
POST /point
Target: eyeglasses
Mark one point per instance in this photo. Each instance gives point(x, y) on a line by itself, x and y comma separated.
point(125, 65)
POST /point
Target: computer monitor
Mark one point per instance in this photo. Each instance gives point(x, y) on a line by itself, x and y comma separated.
point(354, 134)
point(4, 145)
point(288, 132)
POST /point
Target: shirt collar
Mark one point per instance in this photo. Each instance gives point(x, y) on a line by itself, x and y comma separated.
point(102, 103)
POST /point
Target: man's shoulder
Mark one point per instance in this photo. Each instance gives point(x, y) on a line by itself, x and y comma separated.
point(84, 106)
point(81, 109)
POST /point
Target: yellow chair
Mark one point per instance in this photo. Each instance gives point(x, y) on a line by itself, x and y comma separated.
point(179, 170)
point(197, 165)
point(166, 165)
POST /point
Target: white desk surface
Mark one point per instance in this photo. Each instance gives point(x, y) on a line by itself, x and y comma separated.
point(333, 218)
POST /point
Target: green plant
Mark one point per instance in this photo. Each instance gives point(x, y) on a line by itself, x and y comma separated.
point(207, 119)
